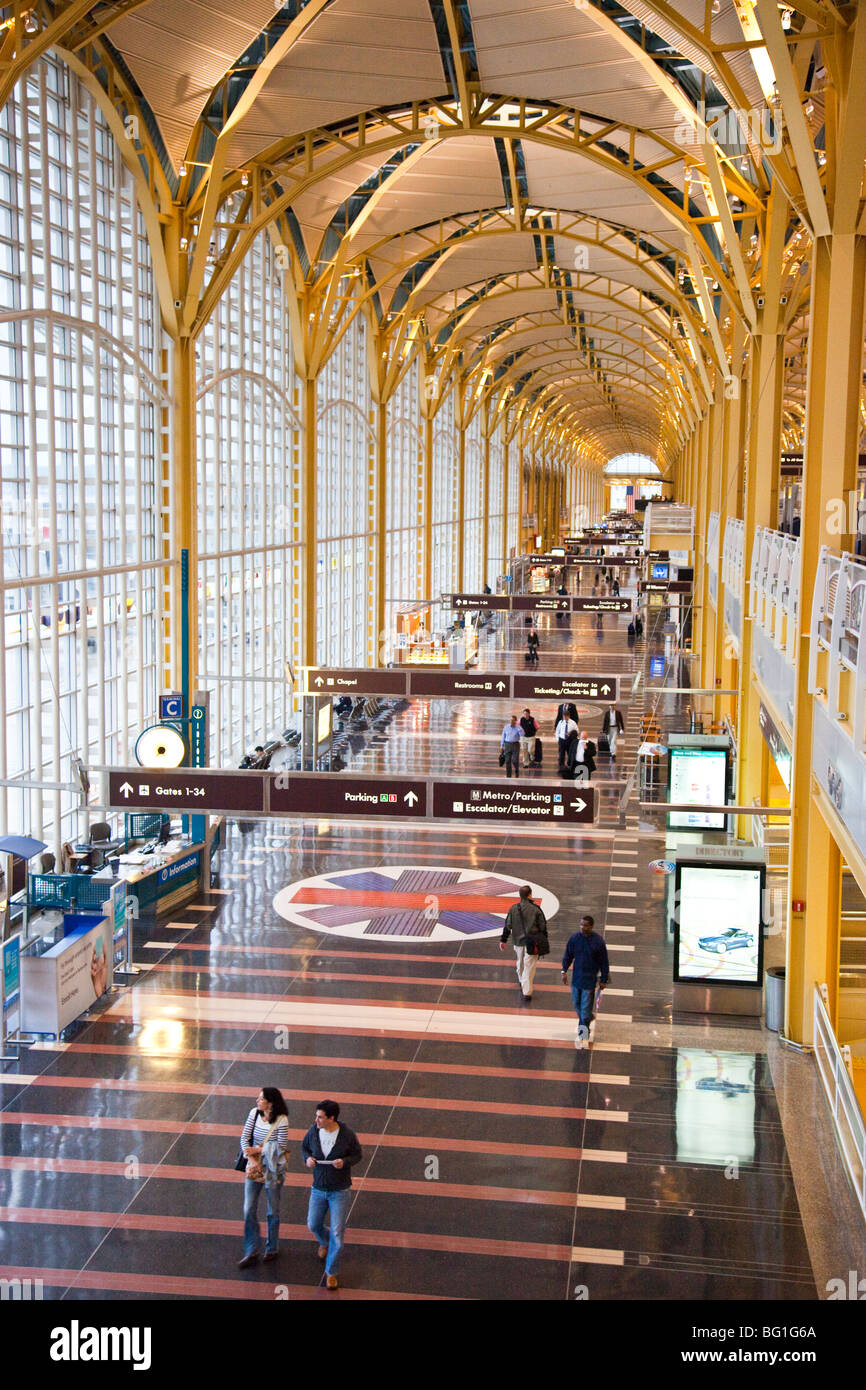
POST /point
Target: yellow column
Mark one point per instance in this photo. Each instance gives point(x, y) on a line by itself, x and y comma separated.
point(829, 474)
point(461, 487)
point(380, 565)
point(762, 465)
point(308, 532)
point(485, 496)
point(185, 500)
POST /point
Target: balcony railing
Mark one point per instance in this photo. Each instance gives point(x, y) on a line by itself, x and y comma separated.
point(838, 645)
point(841, 1097)
point(774, 597)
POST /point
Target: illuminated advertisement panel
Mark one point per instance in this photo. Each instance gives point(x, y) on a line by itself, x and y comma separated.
point(697, 776)
point(718, 924)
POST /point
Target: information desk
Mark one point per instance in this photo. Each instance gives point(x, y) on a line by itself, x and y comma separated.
point(163, 880)
point(62, 983)
point(160, 881)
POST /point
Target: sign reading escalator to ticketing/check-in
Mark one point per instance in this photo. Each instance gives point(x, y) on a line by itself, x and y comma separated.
point(600, 605)
point(484, 803)
point(336, 795)
point(565, 687)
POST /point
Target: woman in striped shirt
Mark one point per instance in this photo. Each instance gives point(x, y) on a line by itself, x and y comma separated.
point(265, 1145)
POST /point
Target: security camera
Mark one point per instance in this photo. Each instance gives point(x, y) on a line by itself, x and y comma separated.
point(783, 299)
point(760, 301)
point(177, 303)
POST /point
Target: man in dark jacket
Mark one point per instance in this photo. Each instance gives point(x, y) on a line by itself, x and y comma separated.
point(330, 1149)
point(527, 921)
point(587, 951)
point(612, 726)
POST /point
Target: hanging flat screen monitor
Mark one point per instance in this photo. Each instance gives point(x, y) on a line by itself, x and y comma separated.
point(718, 923)
point(660, 571)
point(697, 776)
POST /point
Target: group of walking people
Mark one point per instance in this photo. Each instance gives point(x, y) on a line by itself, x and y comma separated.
point(576, 750)
point(329, 1149)
point(585, 955)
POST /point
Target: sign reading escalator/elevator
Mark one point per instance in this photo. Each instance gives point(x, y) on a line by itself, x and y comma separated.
point(529, 804)
point(542, 686)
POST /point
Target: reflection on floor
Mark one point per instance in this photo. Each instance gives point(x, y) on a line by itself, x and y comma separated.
point(499, 1161)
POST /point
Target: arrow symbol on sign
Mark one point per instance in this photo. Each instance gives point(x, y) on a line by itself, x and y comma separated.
point(319, 681)
point(605, 690)
point(500, 685)
point(579, 804)
point(126, 789)
point(411, 797)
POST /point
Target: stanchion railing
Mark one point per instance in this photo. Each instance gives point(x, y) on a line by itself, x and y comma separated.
point(848, 1119)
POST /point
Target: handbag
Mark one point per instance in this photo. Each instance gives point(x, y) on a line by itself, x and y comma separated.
point(502, 758)
point(241, 1161)
point(534, 943)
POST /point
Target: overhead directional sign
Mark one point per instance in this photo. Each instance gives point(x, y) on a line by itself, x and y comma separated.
point(540, 603)
point(514, 802)
point(332, 794)
point(544, 687)
point(354, 681)
point(461, 684)
point(335, 794)
point(474, 601)
point(665, 586)
point(600, 605)
point(426, 683)
point(185, 789)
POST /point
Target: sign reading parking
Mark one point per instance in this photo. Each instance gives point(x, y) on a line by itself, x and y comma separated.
point(539, 603)
point(335, 795)
point(544, 687)
point(484, 802)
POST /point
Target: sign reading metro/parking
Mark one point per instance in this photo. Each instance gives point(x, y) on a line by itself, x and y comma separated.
point(537, 801)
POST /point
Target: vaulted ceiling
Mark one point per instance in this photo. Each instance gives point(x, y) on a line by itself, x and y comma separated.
point(537, 195)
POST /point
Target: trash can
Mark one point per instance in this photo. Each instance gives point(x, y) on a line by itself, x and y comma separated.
point(774, 1001)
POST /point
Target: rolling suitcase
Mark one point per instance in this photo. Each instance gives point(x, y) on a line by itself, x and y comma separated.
point(603, 743)
point(538, 752)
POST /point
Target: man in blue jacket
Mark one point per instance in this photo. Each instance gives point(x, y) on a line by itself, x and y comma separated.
point(587, 951)
point(330, 1149)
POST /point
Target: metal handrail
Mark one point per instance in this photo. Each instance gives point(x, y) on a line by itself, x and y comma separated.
point(848, 1119)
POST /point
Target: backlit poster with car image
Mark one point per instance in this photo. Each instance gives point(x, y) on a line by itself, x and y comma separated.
point(697, 776)
point(718, 924)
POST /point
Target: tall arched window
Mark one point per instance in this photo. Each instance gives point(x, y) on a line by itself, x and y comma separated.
point(84, 480)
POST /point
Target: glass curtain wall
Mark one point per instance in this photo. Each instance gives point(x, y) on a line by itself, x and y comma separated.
point(82, 402)
point(345, 503)
point(404, 500)
point(248, 467)
point(496, 510)
point(473, 508)
point(445, 506)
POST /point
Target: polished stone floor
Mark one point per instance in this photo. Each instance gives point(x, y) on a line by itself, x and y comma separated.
point(499, 1161)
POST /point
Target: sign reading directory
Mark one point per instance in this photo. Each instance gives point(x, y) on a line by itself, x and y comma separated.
point(719, 923)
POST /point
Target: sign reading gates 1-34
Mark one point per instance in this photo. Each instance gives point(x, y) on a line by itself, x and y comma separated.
point(537, 801)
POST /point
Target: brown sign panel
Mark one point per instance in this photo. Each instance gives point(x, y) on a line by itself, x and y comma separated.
point(600, 605)
point(462, 685)
point(475, 601)
point(663, 586)
point(184, 789)
point(515, 801)
point(355, 681)
point(540, 603)
point(566, 687)
point(336, 795)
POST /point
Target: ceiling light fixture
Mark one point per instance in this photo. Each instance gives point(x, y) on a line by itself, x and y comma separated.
point(245, 178)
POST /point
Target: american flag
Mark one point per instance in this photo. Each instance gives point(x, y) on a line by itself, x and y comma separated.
point(629, 500)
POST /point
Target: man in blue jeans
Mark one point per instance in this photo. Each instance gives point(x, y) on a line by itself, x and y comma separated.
point(586, 949)
point(330, 1149)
